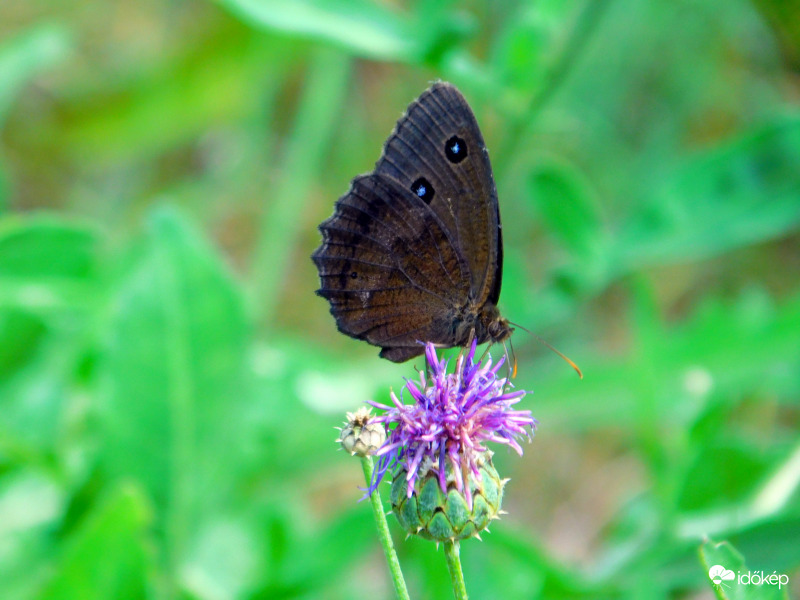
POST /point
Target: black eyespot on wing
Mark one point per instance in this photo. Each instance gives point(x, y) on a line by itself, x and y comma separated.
point(455, 149)
point(423, 189)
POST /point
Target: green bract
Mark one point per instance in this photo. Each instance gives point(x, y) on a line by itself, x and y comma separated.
point(434, 515)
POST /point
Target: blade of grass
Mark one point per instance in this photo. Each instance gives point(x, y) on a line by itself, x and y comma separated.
point(311, 132)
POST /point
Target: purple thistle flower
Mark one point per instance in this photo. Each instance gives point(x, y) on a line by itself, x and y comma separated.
point(453, 416)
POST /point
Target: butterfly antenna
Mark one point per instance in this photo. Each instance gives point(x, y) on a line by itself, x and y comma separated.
point(565, 358)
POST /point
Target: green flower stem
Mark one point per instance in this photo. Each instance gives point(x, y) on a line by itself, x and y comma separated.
point(451, 552)
point(384, 535)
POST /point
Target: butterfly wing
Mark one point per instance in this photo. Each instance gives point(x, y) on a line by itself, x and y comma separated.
point(437, 145)
point(389, 268)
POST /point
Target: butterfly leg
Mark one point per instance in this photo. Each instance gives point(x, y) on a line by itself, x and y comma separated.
point(485, 352)
point(511, 361)
point(467, 345)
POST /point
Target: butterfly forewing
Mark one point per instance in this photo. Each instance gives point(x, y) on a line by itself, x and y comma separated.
point(463, 190)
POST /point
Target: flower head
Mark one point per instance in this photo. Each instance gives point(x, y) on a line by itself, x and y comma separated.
point(452, 418)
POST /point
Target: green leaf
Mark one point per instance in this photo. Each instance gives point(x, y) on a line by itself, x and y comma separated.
point(48, 284)
point(736, 581)
point(172, 374)
point(108, 556)
point(46, 262)
point(31, 505)
point(364, 28)
point(723, 471)
point(741, 193)
point(20, 335)
point(568, 208)
point(45, 247)
point(37, 363)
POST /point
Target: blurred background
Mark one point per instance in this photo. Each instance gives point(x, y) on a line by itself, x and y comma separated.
point(169, 382)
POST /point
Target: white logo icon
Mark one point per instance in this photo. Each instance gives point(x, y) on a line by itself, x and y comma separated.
point(718, 574)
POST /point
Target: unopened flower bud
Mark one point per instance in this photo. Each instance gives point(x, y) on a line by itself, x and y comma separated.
point(359, 436)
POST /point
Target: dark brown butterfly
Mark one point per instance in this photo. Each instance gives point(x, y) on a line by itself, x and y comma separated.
point(413, 252)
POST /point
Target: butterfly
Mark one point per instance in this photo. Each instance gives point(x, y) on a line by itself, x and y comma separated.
point(413, 252)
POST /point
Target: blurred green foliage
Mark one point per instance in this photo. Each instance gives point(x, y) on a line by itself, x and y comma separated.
point(169, 381)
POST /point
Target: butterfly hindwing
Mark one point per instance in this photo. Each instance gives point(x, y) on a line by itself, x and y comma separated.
point(388, 267)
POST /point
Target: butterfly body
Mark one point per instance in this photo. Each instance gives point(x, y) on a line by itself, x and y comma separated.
point(413, 250)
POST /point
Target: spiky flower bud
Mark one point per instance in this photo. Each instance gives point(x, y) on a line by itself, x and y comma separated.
point(361, 436)
point(443, 516)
